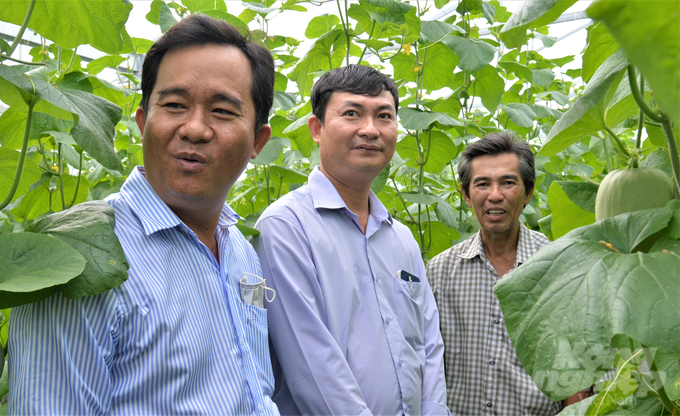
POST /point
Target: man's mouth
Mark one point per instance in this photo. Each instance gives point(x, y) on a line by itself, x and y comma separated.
point(495, 212)
point(367, 146)
point(188, 159)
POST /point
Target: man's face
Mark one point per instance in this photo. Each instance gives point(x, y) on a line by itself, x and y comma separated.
point(199, 131)
point(358, 137)
point(497, 194)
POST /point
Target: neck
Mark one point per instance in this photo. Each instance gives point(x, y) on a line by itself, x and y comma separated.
point(501, 249)
point(203, 222)
point(354, 194)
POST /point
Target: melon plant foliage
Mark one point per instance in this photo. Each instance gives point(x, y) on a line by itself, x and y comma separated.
point(68, 139)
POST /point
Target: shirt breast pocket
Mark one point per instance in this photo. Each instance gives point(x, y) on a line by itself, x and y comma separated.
point(257, 336)
point(409, 296)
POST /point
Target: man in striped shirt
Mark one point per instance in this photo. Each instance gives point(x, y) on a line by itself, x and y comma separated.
point(175, 338)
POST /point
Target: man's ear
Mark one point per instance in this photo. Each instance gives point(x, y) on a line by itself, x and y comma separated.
point(527, 196)
point(261, 138)
point(465, 196)
point(140, 118)
point(315, 127)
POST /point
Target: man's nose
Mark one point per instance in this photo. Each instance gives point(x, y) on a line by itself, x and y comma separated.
point(495, 193)
point(369, 129)
point(196, 129)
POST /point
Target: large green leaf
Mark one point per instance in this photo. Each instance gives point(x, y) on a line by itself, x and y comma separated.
point(320, 25)
point(489, 86)
point(474, 54)
point(561, 136)
point(414, 119)
point(520, 114)
point(299, 133)
point(107, 61)
point(9, 159)
point(439, 63)
point(441, 150)
point(95, 118)
point(564, 306)
point(271, 151)
point(285, 175)
point(648, 31)
point(529, 15)
point(600, 44)
point(13, 124)
point(328, 51)
point(33, 266)
point(88, 228)
point(72, 23)
point(436, 31)
point(521, 71)
point(566, 214)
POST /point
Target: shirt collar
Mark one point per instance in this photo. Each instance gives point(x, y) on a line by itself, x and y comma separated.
point(525, 242)
point(475, 247)
point(153, 213)
point(326, 196)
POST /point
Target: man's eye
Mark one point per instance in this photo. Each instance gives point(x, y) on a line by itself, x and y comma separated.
point(351, 113)
point(172, 105)
point(223, 111)
point(386, 116)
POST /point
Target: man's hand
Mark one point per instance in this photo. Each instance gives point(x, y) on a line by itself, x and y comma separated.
point(583, 394)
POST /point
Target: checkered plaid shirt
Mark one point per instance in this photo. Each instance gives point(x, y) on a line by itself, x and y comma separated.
point(483, 374)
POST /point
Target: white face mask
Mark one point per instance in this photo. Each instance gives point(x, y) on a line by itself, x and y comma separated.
point(252, 290)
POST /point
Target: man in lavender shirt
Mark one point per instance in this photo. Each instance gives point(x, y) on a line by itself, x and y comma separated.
point(354, 325)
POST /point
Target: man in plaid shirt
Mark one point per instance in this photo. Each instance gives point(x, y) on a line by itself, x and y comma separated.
point(483, 374)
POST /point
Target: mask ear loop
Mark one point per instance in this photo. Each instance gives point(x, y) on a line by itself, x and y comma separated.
point(270, 290)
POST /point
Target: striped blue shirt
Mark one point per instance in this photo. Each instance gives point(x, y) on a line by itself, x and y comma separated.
point(175, 338)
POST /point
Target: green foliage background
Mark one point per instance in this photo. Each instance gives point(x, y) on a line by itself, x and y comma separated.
point(68, 136)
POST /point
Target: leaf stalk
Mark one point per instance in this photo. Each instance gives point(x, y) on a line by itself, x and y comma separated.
point(22, 29)
point(22, 157)
point(639, 99)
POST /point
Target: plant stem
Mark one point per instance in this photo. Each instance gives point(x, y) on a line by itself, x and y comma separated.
point(607, 156)
point(639, 99)
point(672, 152)
point(266, 176)
point(402, 201)
point(60, 164)
point(366, 46)
point(349, 43)
point(80, 173)
point(22, 29)
point(617, 141)
point(3, 57)
point(22, 157)
point(73, 57)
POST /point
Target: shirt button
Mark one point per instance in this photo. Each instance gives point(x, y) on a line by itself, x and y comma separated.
point(405, 408)
point(496, 321)
point(387, 319)
point(399, 363)
point(492, 362)
point(488, 404)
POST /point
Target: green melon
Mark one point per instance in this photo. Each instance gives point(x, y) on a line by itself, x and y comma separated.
point(628, 190)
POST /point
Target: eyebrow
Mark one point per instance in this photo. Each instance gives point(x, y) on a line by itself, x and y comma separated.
point(486, 178)
point(185, 93)
point(389, 107)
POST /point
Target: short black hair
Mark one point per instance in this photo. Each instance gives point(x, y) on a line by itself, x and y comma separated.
point(355, 79)
point(496, 144)
point(198, 30)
